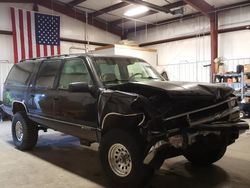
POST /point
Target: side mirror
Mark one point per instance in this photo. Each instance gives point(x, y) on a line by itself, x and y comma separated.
point(79, 87)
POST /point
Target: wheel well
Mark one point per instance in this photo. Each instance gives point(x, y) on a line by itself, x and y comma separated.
point(121, 121)
point(18, 107)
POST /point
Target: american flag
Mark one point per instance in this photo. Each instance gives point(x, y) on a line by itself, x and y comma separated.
point(34, 34)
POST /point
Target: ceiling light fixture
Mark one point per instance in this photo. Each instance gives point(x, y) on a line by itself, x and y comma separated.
point(136, 11)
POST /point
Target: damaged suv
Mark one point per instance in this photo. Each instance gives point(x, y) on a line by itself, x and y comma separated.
point(138, 118)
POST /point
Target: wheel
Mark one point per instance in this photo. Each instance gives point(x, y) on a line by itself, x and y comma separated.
point(121, 156)
point(24, 132)
point(203, 155)
point(242, 114)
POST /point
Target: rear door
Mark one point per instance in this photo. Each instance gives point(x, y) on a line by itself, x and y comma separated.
point(42, 95)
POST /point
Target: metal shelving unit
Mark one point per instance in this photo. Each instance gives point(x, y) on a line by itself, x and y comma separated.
point(237, 85)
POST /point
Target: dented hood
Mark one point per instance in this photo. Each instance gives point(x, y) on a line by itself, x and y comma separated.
point(187, 89)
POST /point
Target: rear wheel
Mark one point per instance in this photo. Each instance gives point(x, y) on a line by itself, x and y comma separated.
point(24, 132)
point(121, 156)
point(203, 155)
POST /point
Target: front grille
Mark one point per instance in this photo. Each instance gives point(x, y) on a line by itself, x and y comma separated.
point(209, 112)
point(227, 110)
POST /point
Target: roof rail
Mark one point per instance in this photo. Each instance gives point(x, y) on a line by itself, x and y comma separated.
point(46, 57)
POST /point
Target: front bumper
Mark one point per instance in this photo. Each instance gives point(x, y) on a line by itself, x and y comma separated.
point(240, 126)
point(165, 148)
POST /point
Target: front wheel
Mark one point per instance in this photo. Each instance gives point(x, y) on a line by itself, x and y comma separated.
point(121, 156)
point(203, 155)
point(242, 114)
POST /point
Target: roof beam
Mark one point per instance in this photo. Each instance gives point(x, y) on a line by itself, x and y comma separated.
point(150, 12)
point(79, 15)
point(201, 5)
point(75, 2)
point(109, 9)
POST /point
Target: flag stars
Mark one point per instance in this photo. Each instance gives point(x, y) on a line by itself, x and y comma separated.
point(47, 27)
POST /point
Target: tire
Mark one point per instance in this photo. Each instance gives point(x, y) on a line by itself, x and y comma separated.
point(202, 155)
point(242, 114)
point(24, 132)
point(120, 147)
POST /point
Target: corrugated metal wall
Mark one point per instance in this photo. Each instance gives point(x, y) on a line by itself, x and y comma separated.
point(199, 71)
point(189, 71)
point(5, 67)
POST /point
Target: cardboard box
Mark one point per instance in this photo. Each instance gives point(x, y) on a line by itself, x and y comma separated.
point(247, 81)
point(219, 68)
point(247, 68)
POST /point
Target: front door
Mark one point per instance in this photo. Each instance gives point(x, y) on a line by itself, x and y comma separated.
point(78, 109)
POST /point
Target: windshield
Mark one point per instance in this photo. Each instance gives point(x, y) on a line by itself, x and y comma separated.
point(117, 70)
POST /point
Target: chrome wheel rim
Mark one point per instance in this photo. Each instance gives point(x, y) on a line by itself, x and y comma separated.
point(241, 115)
point(120, 160)
point(19, 131)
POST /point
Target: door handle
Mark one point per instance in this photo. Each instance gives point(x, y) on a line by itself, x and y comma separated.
point(32, 96)
point(56, 98)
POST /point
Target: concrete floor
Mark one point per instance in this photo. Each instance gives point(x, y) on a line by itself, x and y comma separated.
point(59, 161)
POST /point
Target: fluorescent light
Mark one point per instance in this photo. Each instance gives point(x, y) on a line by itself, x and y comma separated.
point(136, 11)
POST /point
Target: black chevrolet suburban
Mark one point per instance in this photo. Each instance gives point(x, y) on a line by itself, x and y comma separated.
point(138, 118)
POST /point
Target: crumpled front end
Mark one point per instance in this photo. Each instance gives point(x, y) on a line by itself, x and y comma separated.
point(172, 135)
point(171, 116)
point(180, 114)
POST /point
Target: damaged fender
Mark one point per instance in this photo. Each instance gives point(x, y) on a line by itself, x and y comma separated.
point(116, 108)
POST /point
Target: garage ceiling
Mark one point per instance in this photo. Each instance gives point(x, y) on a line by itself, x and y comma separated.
point(112, 11)
point(109, 14)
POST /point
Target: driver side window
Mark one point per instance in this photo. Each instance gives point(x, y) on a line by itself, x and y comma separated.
point(74, 70)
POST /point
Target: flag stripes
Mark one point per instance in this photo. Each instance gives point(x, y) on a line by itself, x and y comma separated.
point(25, 45)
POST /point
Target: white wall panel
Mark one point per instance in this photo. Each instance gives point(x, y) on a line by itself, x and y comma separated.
point(5, 23)
point(234, 44)
point(190, 50)
point(181, 71)
point(6, 46)
point(5, 67)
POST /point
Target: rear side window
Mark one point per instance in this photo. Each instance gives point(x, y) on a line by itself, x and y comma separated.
point(20, 74)
point(48, 73)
